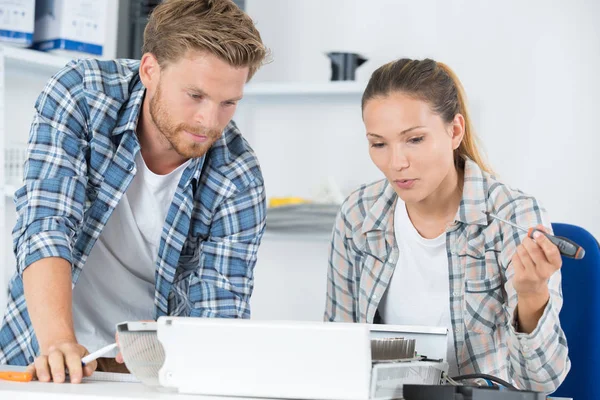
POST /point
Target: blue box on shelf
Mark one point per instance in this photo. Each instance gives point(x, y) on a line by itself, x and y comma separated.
point(17, 18)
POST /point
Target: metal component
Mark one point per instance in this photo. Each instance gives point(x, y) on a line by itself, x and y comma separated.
point(567, 247)
point(143, 354)
point(506, 222)
point(391, 349)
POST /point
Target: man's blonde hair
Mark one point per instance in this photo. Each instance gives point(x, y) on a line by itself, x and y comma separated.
point(218, 27)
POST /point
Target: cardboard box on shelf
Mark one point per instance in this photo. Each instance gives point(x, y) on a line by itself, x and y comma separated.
point(87, 27)
point(17, 19)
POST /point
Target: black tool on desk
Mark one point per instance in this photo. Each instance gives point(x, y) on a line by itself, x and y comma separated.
point(447, 392)
point(566, 247)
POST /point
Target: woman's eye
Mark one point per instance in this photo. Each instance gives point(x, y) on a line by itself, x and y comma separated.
point(416, 140)
point(377, 145)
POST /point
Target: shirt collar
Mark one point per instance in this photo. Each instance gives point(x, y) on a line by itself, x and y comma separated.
point(473, 206)
point(128, 119)
point(378, 216)
point(472, 209)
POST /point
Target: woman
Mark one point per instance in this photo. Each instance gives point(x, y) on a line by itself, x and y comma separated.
point(419, 247)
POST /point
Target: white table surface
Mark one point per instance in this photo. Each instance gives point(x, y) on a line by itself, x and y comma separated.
point(94, 391)
point(99, 390)
point(91, 391)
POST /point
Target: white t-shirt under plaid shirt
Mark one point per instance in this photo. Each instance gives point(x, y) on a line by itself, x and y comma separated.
point(419, 293)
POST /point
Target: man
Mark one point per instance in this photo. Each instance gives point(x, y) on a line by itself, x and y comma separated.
point(140, 193)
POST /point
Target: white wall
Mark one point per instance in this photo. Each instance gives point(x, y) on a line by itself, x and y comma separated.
point(290, 278)
point(529, 69)
point(22, 87)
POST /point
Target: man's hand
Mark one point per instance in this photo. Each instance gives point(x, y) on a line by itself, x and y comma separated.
point(62, 357)
point(50, 278)
point(534, 262)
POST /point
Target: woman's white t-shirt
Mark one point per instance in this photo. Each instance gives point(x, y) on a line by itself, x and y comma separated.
point(419, 292)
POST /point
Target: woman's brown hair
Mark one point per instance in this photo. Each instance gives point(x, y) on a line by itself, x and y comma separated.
point(435, 83)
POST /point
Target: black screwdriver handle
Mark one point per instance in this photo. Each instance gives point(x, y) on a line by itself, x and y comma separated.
point(566, 246)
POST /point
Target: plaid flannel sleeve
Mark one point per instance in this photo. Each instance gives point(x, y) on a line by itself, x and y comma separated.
point(539, 360)
point(222, 284)
point(340, 303)
point(50, 204)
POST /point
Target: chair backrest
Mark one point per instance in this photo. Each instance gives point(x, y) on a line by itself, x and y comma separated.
point(580, 314)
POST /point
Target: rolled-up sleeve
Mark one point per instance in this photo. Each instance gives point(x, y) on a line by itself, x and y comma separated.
point(50, 203)
point(538, 360)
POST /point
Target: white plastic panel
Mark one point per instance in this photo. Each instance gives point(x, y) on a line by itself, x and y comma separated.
point(294, 360)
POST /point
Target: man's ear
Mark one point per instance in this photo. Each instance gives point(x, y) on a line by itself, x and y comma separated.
point(149, 71)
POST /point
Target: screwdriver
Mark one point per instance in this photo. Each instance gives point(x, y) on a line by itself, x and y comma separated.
point(566, 247)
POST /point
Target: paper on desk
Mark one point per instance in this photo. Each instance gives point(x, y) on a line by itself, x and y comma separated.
point(111, 377)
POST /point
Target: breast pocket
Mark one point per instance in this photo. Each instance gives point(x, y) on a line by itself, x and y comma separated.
point(483, 304)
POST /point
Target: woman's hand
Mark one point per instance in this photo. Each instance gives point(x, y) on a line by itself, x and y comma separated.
point(534, 262)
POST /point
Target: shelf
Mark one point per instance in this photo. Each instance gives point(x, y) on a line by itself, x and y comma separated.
point(302, 219)
point(26, 57)
point(297, 236)
point(304, 88)
point(9, 191)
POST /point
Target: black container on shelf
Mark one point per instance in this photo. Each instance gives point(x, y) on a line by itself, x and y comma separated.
point(139, 12)
point(344, 65)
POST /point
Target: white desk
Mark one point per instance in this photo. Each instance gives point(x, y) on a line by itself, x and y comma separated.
point(101, 390)
point(95, 391)
point(92, 391)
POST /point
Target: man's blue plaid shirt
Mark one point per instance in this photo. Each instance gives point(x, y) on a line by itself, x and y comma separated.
point(81, 158)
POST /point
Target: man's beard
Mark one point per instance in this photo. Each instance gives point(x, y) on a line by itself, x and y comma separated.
point(175, 133)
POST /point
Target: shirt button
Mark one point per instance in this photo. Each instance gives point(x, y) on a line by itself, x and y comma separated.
point(105, 207)
point(455, 294)
point(526, 348)
point(374, 296)
point(130, 167)
point(30, 359)
point(92, 193)
point(77, 253)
